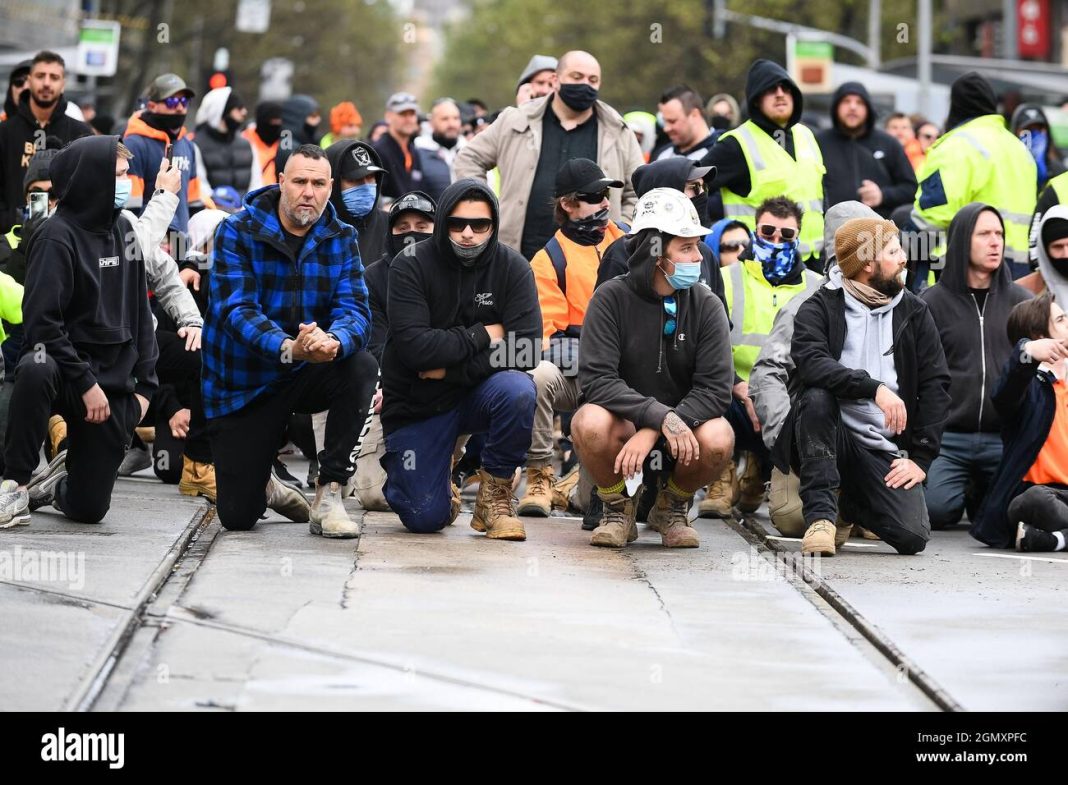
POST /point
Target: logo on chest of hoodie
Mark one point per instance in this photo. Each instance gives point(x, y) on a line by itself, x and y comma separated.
point(484, 299)
point(109, 261)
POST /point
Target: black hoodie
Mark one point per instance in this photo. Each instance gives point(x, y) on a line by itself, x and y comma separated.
point(437, 308)
point(872, 155)
point(669, 173)
point(372, 228)
point(627, 364)
point(295, 110)
point(86, 298)
point(17, 135)
point(726, 154)
point(972, 332)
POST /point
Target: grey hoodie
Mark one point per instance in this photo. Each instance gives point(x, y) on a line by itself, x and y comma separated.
point(769, 382)
point(868, 330)
point(1055, 282)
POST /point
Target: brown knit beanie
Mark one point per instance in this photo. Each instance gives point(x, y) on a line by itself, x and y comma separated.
point(859, 240)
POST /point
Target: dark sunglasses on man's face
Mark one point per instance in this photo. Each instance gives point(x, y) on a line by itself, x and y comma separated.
point(176, 101)
point(19, 81)
point(767, 230)
point(478, 225)
point(592, 198)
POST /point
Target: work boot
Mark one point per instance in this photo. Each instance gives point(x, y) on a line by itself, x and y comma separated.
point(198, 479)
point(819, 538)
point(539, 496)
point(865, 534)
point(495, 509)
point(594, 511)
point(670, 517)
point(562, 489)
point(328, 515)
point(618, 526)
point(57, 435)
point(287, 500)
point(455, 504)
point(721, 496)
point(750, 486)
point(146, 433)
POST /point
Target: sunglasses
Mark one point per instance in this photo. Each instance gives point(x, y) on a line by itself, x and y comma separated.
point(478, 225)
point(767, 230)
point(592, 198)
point(671, 308)
point(741, 245)
point(19, 81)
point(176, 101)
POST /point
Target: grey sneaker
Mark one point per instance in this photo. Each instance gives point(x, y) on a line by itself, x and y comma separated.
point(135, 460)
point(287, 500)
point(14, 505)
point(42, 488)
point(328, 515)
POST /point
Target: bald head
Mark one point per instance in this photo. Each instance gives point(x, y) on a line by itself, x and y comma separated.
point(577, 66)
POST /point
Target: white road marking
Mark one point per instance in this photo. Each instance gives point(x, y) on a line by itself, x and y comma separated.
point(1014, 556)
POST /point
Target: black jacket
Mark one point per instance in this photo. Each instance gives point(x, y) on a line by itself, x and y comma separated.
point(295, 110)
point(669, 173)
point(398, 180)
point(874, 155)
point(974, 340)
point(372, 228)
point(437, 309)
point(726, 154)
point(227, 158)
point(86, 299)
point(922, 377)
point(627, 364)
point(18, 135)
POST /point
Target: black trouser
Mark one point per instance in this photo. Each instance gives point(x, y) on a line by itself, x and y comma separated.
point(832, 460)
point(245, 442)
point(181, 371)
point(94, 451)
point(1043, 507)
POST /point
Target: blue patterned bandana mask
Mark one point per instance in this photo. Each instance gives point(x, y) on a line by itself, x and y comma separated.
point(776, 259)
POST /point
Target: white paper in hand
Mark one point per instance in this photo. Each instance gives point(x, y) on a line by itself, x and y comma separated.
point(633, 483)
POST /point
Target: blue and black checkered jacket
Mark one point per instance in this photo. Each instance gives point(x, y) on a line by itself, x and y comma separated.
point(259, 295)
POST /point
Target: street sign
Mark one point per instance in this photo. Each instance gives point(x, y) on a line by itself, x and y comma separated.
point(811, 64)
point(253, 16)
point(98, 48)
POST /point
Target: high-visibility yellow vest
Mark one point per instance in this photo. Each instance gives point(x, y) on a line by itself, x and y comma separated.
point(772, 172)
point(752, 303)
point(980, 161)
point(1060, 187)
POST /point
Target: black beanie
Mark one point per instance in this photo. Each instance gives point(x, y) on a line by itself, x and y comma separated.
point(235, 101)
point(1054, 229)
point(267, 111)
point(39, 167)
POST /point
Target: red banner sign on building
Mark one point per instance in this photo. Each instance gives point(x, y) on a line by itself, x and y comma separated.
point(1032, 25)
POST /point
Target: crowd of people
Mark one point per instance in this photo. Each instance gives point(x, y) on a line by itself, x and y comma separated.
point(640, 318)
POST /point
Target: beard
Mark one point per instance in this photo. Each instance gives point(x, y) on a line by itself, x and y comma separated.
point(301, 216)
point(889, 285)
point(45, 104)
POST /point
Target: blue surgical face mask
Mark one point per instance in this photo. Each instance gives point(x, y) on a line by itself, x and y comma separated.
point(360, 199)
point(1038, 143)
point(776, 259)
point(686, 275)
point(122, 191)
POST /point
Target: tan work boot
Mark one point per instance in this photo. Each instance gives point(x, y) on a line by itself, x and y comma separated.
point(198, 479)
point(328, 515)
point(455, 504)
point(287, 500)
point(495, 509)
point(146, 433)
point(57, 432)
point(563, 487)
point(670, 517)
point(618, 526)
point(539, 496)
point(722, 495)
point(865, 534)
point(819, 538)
point(750, 486)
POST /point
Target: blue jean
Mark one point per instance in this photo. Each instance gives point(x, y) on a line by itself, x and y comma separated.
point(965, 459)
point(418, 459)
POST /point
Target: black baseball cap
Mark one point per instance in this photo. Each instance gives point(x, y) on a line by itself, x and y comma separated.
point(583, 176)
point(412, 202)
point(358, 163)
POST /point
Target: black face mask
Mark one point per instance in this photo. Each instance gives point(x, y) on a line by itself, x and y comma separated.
point(1060, 265)
point(579, 97)
point(231, 124)
point(398, 243)
point(311, 131)
point(269, 133)
point(721, 122)
point(700, 204)
point(170, 123)
point(444, 141)
point(587, 231)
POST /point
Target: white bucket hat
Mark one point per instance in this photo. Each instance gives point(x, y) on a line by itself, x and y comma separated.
point(669, 211)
